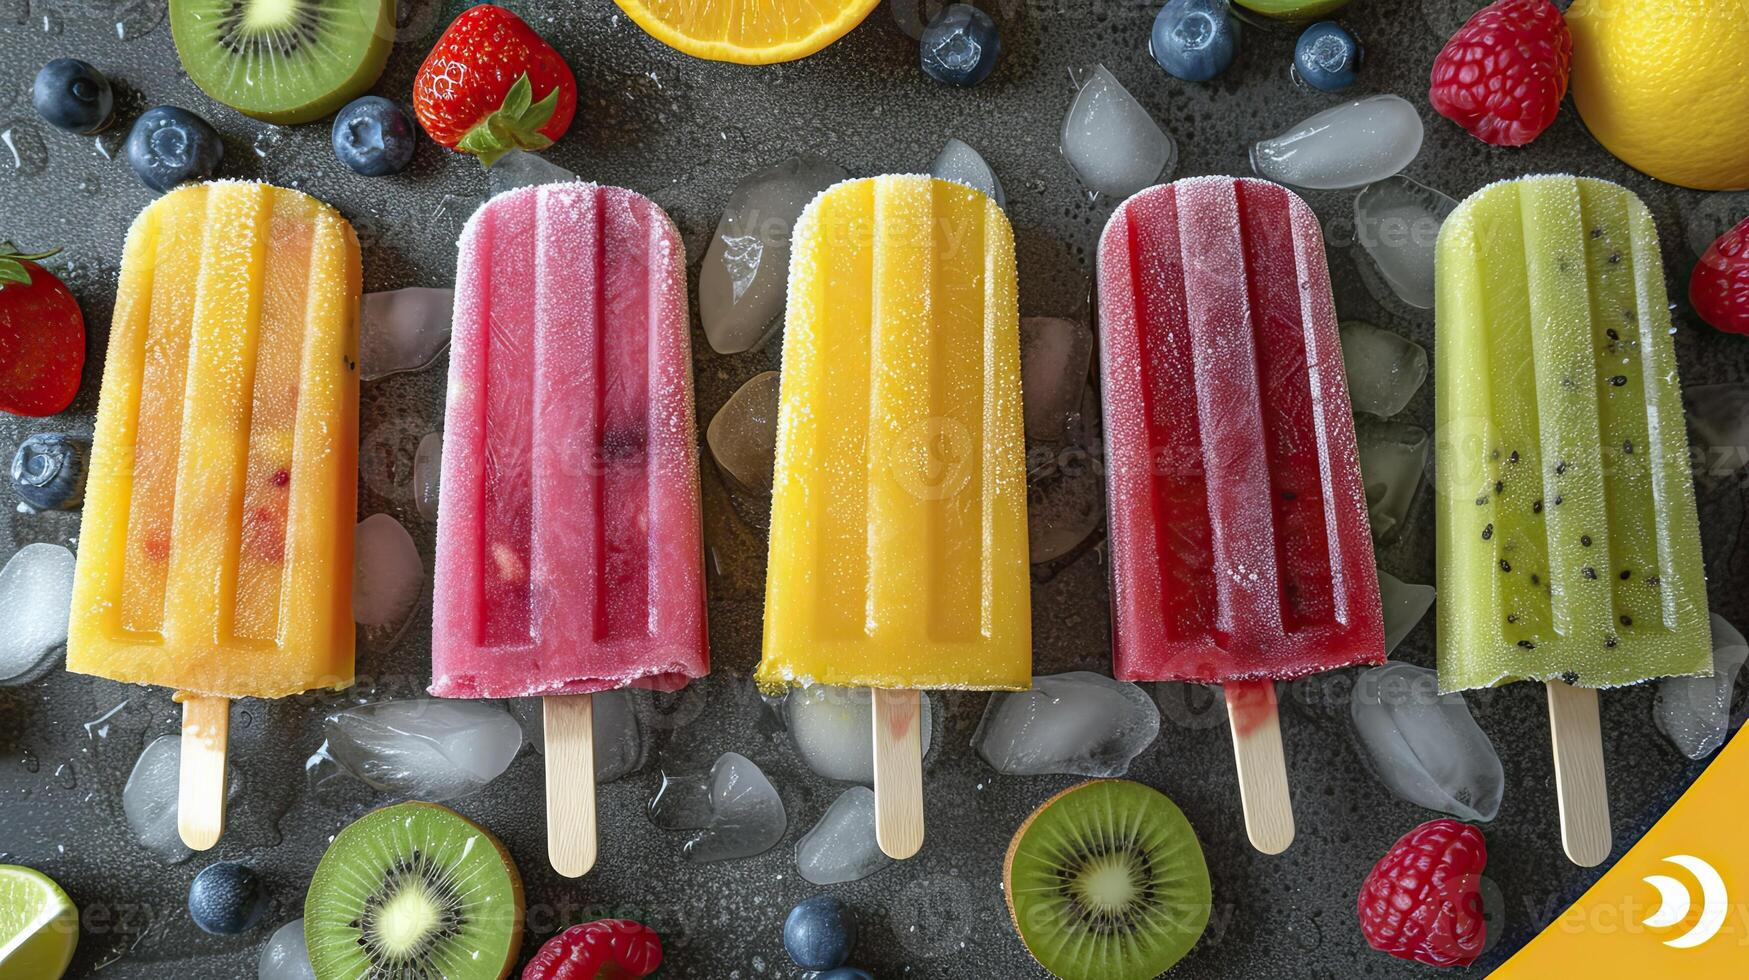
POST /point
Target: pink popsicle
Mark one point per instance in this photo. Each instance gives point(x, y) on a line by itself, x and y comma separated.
point(569, 552)
point(1240, 546)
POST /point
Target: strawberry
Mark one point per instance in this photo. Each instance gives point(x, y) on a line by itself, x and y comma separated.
point(1423, 900)
point(492, 85)
point(1719, 287)
point(42, 337)
point(607, 949)
point(1503, 74)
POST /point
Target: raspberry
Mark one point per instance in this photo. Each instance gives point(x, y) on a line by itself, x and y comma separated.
point(607, 949)
point(1503, 74)
point(1719, 288)
point(1423, 900)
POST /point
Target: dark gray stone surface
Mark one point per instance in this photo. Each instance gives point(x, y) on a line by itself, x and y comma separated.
point(683, 131)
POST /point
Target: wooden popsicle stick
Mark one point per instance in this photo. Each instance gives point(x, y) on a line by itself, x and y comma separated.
point(1580, 783)
point(200, 797)
point(1256, 725)
point(569, 721)
point(898, 772)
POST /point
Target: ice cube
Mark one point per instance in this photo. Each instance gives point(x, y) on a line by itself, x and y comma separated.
point(1054, 355)
point(428, 474)
point(1350, 145)
point(960, 163)
point(402, 330)
point(1719, 416)
point(387, 574)
point(1694, 713)
point(1397, 220)
point(1109, 140)
point(1424, 746)
point(1393, 457)
point(1065, 500)
point(432, 749)
point(832, 728)
point(519, 168)
point(619, 744)
point(734, 808)
point(36, 593)
point(745, 276)
point(1384, 369)
point(743, 434)
point(1405, 605)
point(285, 956)
point(1078, 724)
point(842, 846)
point(148, 801)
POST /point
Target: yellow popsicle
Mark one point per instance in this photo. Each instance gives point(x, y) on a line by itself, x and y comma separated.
point(216, 552)
point(898, 526)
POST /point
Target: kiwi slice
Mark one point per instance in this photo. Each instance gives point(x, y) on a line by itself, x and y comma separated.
point(1106, 881)
point(411, 892)
point(285, 61)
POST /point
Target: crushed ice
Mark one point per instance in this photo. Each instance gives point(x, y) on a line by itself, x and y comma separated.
point(734, 809)
point(1079, 723)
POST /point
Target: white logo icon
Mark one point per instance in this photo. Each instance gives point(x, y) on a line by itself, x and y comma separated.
point(1674, 899)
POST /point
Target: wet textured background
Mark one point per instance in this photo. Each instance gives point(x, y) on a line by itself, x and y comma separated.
point(682, 131)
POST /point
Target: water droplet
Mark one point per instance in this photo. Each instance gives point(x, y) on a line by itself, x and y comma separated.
point(89, 184)
point(99, 727)
point(29, 763)
point(51, 22)
point(64, 774)
point(138, 18)
point(23, 148)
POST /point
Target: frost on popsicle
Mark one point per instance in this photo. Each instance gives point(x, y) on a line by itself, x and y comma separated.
point(1393, 458)
point(36, 591)
point(1078, 723)
point(402, 330)
point(422, 748)
point(745, 276)
point(1694, 713)
point(1349, 145)
point(734, 809)
point(1384, 369)
point(743, 435)
point(1397, 221)
point(1425, 747)
point(958, 162)
point(428, 474)
point(833, 733)
point(149, 799)
point(842, 846)
point(1405, 605)
point(1109, 140)
point(619, 742)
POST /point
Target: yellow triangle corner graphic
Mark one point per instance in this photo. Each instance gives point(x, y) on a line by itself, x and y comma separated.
point(1676, 905)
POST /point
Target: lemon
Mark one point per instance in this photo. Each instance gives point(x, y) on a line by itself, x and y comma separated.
point(748, 32)
point(1664, 85)
point(39, 926)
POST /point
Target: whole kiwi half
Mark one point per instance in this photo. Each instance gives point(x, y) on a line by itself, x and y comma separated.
point(1106, 881)
point(285, 61)
point(410, 892)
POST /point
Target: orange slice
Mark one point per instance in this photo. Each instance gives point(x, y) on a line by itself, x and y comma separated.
point(747, 32)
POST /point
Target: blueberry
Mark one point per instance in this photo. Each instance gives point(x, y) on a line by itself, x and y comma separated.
point(74, 96)
point(960, 46)
point(49, 471)
point(169, 145)
point(1194, 39)
point(819, 934)
point(845, 973)
point(1327, 56)
point(226, 899)
point(373, 137)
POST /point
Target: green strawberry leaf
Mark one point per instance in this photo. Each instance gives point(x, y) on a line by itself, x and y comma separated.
point(514, 126)
point(12, 261)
